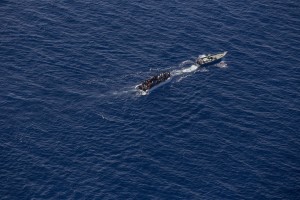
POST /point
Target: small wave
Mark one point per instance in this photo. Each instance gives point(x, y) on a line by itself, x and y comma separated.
point(142, 93)
point(127, 90)
point(186, 63)
point(222, 65)
point(189, 69)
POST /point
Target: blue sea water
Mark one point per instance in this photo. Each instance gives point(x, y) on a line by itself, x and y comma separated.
point(73, 127)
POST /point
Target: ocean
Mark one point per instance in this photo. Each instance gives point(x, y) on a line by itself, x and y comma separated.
point(73, 125)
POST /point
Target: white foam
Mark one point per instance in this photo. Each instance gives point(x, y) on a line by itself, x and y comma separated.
point(176, 72)
point(143, 93)
point(190, 69)
point(222, 65)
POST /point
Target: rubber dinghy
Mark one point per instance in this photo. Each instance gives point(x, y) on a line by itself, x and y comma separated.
point(154, 82)
point(209, 59)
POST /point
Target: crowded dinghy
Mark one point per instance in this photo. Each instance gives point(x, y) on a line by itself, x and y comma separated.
point(154, 82)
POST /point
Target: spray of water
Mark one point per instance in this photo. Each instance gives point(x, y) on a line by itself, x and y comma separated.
point(190, 69)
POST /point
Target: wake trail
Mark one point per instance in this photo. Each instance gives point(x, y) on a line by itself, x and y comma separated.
point(186, 69)
point(190, 69)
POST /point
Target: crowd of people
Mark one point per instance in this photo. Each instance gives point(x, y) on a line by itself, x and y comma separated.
point(149, 83)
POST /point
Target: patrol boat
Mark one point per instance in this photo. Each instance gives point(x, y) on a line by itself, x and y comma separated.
point(154, 82)
point(209, 59)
